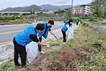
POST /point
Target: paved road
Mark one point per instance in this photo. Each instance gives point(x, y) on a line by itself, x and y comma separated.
point(104, 27)
point(7, 32)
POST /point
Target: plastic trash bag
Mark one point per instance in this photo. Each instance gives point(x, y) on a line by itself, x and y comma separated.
point(48, 46)
point(74, 27)
point(70, 32)
point(32, 51)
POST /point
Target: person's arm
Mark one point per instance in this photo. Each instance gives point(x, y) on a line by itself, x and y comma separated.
point(35, 39)
point(67, 25)
point(43, 38)
point(42, 44)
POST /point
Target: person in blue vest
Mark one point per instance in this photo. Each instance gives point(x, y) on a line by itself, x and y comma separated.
point(21, 39)
point(65, 28)
point(47, 28)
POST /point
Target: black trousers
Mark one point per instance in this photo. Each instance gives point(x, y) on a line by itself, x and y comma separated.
point(19, 51)
point(39, 46)
point(64, 36)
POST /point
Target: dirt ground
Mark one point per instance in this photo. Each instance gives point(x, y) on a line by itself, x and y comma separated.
point(65, 61)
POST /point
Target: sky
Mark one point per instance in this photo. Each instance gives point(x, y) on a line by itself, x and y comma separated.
point(20, 3)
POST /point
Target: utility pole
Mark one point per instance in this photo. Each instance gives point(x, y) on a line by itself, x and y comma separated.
point(32, 14)
point(71, 8)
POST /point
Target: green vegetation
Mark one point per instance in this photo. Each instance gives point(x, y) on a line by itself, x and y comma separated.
point(95, 43)
point(99, 7)
point(8, 66)
point(67, 15)
point(14, 20)
point(91, 47)
point(100, 24)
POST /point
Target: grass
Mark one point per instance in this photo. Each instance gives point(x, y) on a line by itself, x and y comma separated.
point(7, 66)
point(89, 38)
point(14, 20)
point(97, 62)
point(100, 24)
point(85, 38)
point(54, 50)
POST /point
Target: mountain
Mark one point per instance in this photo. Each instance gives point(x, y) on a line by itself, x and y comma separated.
point(36, 8)
point(23, 9)
point(54, 8)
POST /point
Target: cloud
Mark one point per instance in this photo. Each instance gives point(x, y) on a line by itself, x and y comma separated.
point(20, 3)
point(61, 1)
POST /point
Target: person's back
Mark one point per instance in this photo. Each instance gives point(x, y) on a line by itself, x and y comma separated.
point(22, 38)
point(20, 41)
point(64, 30)
point(65, 27)
point(46, 29)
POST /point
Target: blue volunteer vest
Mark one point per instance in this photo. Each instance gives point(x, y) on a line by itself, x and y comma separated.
point(45, 31)
point(64, 28)
point(23, 38)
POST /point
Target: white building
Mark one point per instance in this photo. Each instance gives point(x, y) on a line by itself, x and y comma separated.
point(82, 10)
point(87, 10)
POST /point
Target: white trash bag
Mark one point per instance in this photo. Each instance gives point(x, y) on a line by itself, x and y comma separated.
point(32, 51)
point(70, 32)
point(48, 45)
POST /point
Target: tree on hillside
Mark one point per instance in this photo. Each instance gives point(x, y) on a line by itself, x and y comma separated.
point(68, 14)
point(99, 7)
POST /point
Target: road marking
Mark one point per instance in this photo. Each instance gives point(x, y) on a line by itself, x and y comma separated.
point(3, 33)
point(6, 26)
